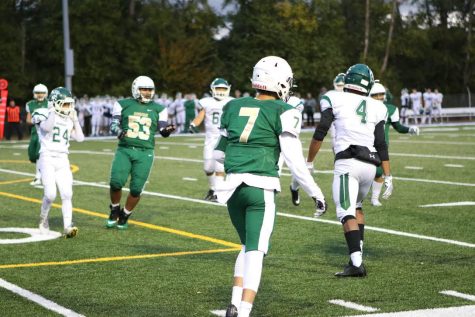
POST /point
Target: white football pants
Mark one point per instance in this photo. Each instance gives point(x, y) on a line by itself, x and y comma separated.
point(55, 171)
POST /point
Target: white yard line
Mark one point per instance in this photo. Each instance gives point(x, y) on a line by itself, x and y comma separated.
point(352, 305)
point(412, 141)
point(459, 295)
point(414, 167)
point(454, 204)
point(46, 303)
point(453, 165)
point(200, 201)
point(461, 311)
point(189, 179)
point(219, 313)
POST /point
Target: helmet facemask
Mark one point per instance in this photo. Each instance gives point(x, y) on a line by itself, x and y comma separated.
point(143, 82)
point(64, 106)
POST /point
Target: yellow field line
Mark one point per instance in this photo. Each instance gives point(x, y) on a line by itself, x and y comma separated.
point(23, 180)
point(135, 222)
point(74, 168)
point(115, 258)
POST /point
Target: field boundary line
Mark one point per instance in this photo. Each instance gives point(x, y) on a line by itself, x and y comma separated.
point(116, 258)
point(40, 300)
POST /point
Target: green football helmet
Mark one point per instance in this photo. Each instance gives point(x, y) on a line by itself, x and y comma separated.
point(222, 93)
point(62, 101)
point(359, 78)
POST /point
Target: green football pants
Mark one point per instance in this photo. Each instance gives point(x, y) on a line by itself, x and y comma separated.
point(252, 211)
point(137, 163)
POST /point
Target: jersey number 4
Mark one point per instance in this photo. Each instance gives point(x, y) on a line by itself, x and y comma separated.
point(252, 113)
point(361, 111)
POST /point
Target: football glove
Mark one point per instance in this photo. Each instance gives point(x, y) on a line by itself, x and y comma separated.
point(116, 129)
point(165, 132)
point(73, 115)
point(413, 130)
point(388, 185)
point(320, 207)
point(193, 129)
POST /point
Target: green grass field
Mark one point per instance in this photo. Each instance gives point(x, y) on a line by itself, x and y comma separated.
point(177, 257)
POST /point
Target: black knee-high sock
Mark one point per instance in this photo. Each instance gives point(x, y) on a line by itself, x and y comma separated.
point(361, 226)
point(353, 241)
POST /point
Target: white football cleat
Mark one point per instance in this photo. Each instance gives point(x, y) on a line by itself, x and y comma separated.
point(70, 232)
point(44, 225)
point(36, 182)
point(376, 203)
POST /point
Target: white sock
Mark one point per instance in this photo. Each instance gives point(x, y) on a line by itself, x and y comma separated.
point(45, 207)
point(38, 174)
point(218, 181)
point(294, 184)
point(115, 205)
point(244, 309)
point(376, 190)
point(361, 246)
point(356, 258)
point(236, 296)
point(127, 212)
point(252, 270)
point(67, 209)
point(211, 182)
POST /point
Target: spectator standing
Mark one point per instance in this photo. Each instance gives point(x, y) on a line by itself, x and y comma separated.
point(309, 108)
point(13, 120)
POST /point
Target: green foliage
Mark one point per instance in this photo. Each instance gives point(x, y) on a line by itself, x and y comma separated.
point(174, 43)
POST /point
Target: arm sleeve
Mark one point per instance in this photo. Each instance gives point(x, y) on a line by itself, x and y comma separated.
point(162, 119)
point(48, 124)
point(116, 109)
point(399, 127)
point(380, 142)
point(324, 124)
point(293, 156)
point(77, 133)
point(291, 122)
point(220, 149)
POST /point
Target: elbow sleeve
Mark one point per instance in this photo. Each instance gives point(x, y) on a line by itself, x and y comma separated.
point(324, 125)
point(380, 142)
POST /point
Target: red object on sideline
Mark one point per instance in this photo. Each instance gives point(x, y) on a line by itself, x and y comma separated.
point(3, 104)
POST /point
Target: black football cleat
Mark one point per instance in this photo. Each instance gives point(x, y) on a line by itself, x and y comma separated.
point(114, 215)
point(122, 222)
point(231, 311)
point(295, 196)
point(210, 195)
point(352, 271)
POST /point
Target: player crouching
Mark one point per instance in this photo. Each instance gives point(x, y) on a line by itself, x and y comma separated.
point(56, 125)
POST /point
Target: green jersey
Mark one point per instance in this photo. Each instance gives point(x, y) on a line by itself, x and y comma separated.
point(140, 120)
point(32, 105)
point(252, 128)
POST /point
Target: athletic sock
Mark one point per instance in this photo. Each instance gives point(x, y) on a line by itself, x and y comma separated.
point(294, 184)
point(236, 296)
point(245, 309)
point(127, 212)
point(67, 209)
point(115, 205)
point(376, 190)
point(211, 182)
point(353, 242)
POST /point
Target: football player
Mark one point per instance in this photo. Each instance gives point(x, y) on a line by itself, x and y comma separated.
point(378, 92)
point(405, 103)
point(40, 100)
point(56, 125)
point(359, 147)
point(134, 121)
point(416, 101)
point(211, 109)
point(253, 133)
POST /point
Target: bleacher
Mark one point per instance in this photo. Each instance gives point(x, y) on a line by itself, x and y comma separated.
point(449, 114)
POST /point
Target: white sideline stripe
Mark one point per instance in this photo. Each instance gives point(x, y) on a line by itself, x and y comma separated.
point(433, 181)
point(352, 305)
point(46, 303)
point(458, 294)
point(407, 140)
point(460, 311)
point(16, 154)
point(459, 203)
point(453, 165)
point(439, 129)
point(190, 179)
point(389, 231)
point(220, 313)
point(163, 147)
point(413, 167)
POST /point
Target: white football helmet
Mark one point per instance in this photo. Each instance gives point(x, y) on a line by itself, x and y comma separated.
point(142, 82)
point(377, 89)
point(273, 73)
point(38, 92)
point(220, 94)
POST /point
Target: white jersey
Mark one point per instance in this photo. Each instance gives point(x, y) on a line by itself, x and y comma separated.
point(416, 99)
point(438, 97)
point(296, 102)
point(355, 118)
point(96, 109)
point(405, 100)
point(55, 141)
point(213, 109)
point(428, 99)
